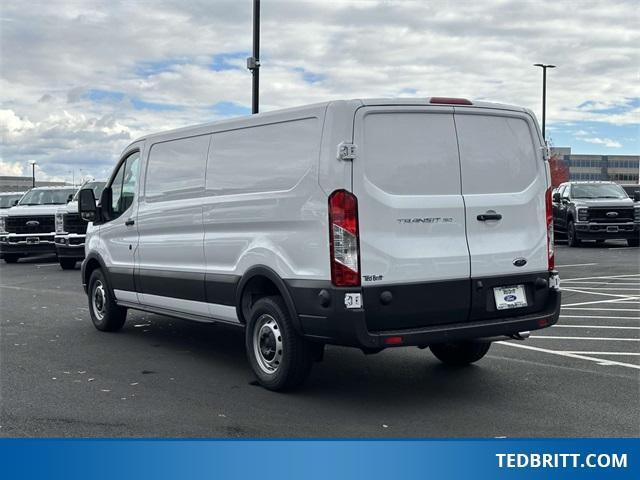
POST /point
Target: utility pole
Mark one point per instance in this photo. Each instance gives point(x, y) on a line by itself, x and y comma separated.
point(33, 173)
point(253, 63)
point(544, 95)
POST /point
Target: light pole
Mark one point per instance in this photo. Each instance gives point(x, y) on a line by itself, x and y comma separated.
point(33, 173)
point(253, 63)
point(544, 95)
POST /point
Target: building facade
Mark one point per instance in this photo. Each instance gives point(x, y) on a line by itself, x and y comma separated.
point(623, 169)
point(22, 184)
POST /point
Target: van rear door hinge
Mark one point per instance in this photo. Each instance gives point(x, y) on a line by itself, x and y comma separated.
point(346, 151)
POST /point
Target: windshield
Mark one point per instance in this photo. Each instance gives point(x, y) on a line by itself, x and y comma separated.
point(6, 201)
point(47, 197)
point(598, 190)
point(97, 188)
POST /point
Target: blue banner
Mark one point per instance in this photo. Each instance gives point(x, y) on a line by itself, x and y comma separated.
point(318, 459)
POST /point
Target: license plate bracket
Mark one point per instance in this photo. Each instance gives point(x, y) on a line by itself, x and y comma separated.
point(509, 297)
point(33, 240)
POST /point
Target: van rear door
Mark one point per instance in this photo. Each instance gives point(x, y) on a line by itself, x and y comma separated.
point(406, 176)
point(504, 179)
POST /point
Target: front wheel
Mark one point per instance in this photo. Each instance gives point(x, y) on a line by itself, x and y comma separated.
point(280, 358)
point(572, 238)
point(106, 315)
point(633, 242)
point(460, 353)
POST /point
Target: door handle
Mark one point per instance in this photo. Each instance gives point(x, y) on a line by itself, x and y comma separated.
point(129, 222)
point(490, 215)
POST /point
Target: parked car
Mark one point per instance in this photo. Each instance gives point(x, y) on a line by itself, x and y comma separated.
point(595, 211)
point(9, 199)
point(29, 227)
point(633, 191)
point(367, 223)
point(71, 229)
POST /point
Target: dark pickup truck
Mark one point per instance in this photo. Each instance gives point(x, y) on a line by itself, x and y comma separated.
point(595, 211)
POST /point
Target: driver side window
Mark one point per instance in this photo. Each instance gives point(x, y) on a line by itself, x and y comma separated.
point(123, 187)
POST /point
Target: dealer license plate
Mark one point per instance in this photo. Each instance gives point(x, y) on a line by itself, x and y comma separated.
point(510, 297)
point(33, 240)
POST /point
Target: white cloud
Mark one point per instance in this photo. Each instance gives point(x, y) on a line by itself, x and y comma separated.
point(54, 54)
point(607, 142)
point(11, 168)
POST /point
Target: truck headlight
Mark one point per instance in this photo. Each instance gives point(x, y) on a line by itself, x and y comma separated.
point(59, 222)
point(636, 214)
point(583, 214)
point(2, 224)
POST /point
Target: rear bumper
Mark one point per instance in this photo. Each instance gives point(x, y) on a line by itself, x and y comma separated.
point(341, 326)
point(603, 231)
point(70, 246)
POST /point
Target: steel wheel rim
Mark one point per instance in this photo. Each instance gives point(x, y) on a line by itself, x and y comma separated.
point(99, 300)
point(267, 344)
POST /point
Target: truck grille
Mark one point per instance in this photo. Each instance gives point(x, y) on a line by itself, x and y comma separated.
point(606, 215)
point(74, 224)
point(45, 224)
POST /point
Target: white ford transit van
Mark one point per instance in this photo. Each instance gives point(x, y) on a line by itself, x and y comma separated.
point(367, 223)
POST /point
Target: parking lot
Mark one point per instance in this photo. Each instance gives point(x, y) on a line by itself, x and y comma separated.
point(171, 378)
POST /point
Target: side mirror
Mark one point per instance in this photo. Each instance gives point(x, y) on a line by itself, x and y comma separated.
point(556, 197)
point(87, 205)
point(636, 196)
point(15, 202)
point(105, 204)
point(70, 197)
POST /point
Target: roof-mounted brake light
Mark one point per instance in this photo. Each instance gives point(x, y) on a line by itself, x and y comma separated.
point(450, 101)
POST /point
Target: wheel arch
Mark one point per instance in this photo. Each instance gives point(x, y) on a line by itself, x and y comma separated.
point(260, 281)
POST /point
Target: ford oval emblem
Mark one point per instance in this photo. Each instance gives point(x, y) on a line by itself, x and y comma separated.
point(612, 214)
point(510, 298)
point(520, 262)
point(32, 223)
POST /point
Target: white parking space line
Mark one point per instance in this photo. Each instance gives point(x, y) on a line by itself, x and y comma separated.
point(603, 309)
point(599, 361)
point(596, 278)
point(604, 339)
point(47, 265)
point(599, 316)
point(612, 327)
point(624, 301)
point(598, 293)
point(606, 289)
point(622, 354)
point(615, 284)
point(577, 265)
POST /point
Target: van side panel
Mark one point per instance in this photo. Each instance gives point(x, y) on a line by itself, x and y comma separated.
point(170, 257)
point(263, 204)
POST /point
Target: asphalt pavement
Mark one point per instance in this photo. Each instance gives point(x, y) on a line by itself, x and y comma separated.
point(162, 377)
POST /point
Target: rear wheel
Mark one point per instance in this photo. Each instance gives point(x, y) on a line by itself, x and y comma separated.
point(67, 263)
point(280, 358)
point(106, 315)
point(11, 258)
point(460, 353)
point(633, 242)
point(572, 239)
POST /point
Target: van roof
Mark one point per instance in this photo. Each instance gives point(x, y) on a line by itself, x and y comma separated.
point(247, 120)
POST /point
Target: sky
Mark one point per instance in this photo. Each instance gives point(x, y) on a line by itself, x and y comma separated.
point(79, 80)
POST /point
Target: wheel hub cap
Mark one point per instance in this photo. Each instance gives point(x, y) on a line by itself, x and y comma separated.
point(267, 344)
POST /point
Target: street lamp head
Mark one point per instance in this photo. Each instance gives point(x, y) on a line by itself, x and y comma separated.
point(543, 65)
point(32, 162)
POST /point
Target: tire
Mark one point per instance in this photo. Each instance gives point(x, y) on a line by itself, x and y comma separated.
point(633, 242)
point(280, 358)
point(11, 258)
point(460, 354)
point(105, 314)
point(572, 239)
point(67, 263)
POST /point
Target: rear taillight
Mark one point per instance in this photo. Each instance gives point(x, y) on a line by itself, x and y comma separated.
point(549, 216)
point(343, 238)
